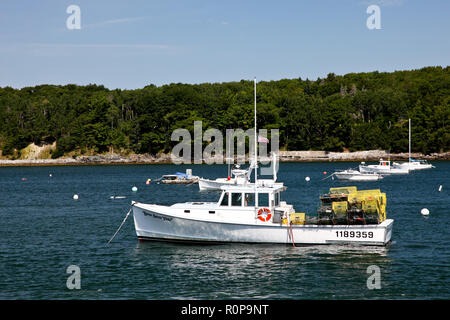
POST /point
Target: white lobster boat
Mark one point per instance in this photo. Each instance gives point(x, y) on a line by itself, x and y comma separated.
point(255, 214)
point(245, 214)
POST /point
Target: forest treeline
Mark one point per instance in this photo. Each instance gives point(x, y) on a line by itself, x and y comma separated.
point(356, 111)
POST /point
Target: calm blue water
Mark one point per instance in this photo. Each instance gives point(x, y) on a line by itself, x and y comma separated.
point(43, 231)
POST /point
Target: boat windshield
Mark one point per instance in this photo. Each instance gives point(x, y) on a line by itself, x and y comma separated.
point(225, 199)
point(249, 200)
point(277, 199)
point(263, 200)
point(236, 199)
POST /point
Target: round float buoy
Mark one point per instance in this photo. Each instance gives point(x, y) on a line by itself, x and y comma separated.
point(324, 172)
point(307, 178)
point(75, 197)
point(148, 181)
point(425, 212)
point(134, 189)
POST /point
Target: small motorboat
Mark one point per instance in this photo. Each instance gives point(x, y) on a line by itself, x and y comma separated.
point(179, 178)
point(383, 167)
point(237, 176)
point(355, 175)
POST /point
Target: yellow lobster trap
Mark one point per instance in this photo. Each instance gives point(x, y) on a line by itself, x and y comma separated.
point(349, 201)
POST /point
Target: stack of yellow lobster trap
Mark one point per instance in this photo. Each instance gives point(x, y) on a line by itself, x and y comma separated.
point(347, 205)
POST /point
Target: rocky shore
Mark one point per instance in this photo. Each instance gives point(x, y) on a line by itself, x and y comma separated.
point(284, 156)
point(370, 155)
point(91, 160)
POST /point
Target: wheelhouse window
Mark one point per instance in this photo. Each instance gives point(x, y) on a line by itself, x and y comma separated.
point(277, 199)
point(225, 200)
point(263, 200)
point(236, 199)
point(249, 200)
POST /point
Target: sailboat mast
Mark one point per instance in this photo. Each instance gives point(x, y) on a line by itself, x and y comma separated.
point(409, 138)
point(256, 145)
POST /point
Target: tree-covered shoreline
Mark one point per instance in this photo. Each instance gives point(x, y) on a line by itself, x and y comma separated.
point(356, 111)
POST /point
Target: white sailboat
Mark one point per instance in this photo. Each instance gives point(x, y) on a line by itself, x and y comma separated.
point(254, 214)
point(412, 164)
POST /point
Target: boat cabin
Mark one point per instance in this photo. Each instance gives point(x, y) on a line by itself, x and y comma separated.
point(421, 162)
point(175, 176)
point(249, 196)
point(263, 202)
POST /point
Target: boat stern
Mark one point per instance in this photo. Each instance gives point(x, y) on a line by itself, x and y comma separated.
point(387, 225)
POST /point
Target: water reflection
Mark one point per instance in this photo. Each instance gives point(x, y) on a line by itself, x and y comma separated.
point(265, 271)
point(225, 250)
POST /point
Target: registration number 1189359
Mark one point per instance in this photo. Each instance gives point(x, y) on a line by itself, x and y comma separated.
point(354, 234)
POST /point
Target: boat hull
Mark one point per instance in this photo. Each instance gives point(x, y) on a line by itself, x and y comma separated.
point(215, 185)
point(413, 167)
point(210, 185)
point(180, 181)
point(368, 169)
point(362, 177)
point(152, 224)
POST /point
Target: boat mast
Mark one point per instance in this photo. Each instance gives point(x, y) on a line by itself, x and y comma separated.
point(409, 138)
point(229, 159)
point(274, 164)
point(256, 145)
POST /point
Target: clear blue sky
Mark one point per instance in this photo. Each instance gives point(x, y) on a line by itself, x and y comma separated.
point(130, 44)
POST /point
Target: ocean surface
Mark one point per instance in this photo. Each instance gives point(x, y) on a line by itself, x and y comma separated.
point(43, 231)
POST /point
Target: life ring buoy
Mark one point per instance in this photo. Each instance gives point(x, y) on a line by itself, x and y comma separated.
point(264, 214)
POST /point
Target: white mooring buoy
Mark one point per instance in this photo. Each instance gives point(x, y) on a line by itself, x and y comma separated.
point(440, 188)
point(425, 212)
point(134, 189)
point(307, 178)
point(75, 197)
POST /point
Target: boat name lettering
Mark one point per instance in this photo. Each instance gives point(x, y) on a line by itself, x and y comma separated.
point(354, 234)
point(153, 215)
